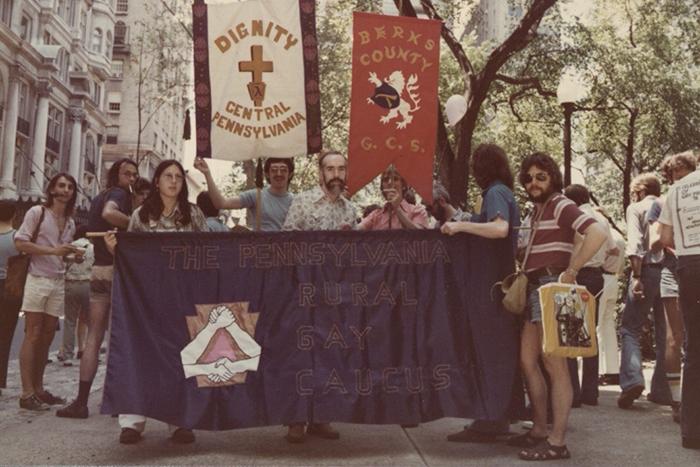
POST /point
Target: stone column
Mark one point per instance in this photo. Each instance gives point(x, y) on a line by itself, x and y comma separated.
point(36, 180)
point(7, 183)
point(76, 115)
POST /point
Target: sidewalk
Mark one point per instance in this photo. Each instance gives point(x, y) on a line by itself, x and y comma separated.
point(602, 435)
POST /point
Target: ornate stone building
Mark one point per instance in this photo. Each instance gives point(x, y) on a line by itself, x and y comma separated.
point(55, 56)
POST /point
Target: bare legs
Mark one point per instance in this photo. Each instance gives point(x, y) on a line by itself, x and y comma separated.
point(562, 394)
point(38, 335)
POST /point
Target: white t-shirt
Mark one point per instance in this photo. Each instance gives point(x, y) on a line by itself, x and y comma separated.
point(682, 211)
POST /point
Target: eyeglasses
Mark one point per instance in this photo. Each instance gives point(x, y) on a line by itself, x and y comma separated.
point(174, 177)
point(539, 176)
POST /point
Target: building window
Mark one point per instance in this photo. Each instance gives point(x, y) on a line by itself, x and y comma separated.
point(108, 45)
point(70, 18)
point(96, 40)
point(114, 102)
point(120, 31)
point(90, 154)
point(117, 68)
point(50, 166)
point(83, 26)
point(25, 28)
point(6, 11)
point(54, 133)
point(122, 6)
point(112, 134)
point(24, 103)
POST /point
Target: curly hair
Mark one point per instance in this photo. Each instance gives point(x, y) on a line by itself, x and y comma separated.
point(490, 163)
point(113, 173)
point(70, 206)
point(684, 159)
point(152, 207)
point(546, 163)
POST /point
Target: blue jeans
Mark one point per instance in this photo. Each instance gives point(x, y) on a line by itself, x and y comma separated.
point(633, 319)
point(688, 273)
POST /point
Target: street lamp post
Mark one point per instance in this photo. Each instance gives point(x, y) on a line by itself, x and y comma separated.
point(569, 91)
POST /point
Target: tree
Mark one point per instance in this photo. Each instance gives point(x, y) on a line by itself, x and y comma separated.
point(161, 44)
point(641, 61)
point(454, 170)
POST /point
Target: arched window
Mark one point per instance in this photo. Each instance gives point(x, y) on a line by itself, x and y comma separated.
point(108, 45)
point(97, 40)
point(120, 33)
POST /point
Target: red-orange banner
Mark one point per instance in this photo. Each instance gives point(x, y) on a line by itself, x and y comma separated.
point(394, 104)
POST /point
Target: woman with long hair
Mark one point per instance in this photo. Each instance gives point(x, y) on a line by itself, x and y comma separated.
point(165, 209)
point(46, 234)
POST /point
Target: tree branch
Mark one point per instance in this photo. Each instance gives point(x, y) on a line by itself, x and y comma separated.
point(180, 22)
point(530, 82)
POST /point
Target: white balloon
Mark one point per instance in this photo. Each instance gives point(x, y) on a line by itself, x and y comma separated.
point(455, 108)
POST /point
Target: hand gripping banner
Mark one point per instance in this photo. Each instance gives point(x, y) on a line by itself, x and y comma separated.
point(256, 79)
point(394, 104)
point(214, 331)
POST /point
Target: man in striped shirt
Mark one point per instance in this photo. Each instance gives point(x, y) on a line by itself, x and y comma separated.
point(552, 257)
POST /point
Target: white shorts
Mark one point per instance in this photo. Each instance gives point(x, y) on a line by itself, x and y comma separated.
point(44, 295)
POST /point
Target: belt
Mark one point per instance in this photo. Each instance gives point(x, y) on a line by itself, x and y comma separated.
point(593, 269)
point(548, 271)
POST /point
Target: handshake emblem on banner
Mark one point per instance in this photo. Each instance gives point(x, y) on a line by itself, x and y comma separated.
point(222, 348)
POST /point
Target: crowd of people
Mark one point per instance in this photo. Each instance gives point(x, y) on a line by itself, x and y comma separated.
point(563, 239)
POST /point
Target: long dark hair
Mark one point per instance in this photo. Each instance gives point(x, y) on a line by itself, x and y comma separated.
point(70, 206)
point(490, 163)
point(152, 208)
point(546, 163)
point(113, 173)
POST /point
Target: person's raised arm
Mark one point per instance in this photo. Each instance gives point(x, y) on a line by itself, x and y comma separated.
point(217, 199)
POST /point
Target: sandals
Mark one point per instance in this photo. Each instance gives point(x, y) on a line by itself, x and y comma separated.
point(525, 440)
point(544, 452)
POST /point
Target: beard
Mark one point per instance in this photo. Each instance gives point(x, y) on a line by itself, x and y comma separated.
point(542, 197)
point(335, 185)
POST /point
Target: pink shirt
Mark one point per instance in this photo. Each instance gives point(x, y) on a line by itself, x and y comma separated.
point(384, 219)
point(46, 265)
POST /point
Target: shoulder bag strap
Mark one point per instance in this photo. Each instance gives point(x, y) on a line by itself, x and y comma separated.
point(38, 225)
point(533, 230)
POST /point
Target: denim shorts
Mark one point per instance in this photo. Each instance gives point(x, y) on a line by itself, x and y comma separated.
point(533, 311)
point(668, 285)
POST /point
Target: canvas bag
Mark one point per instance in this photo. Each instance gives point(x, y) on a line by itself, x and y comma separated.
point(568, 320)
point(18, 268)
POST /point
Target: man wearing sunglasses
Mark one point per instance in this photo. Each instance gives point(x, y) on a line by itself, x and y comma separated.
point(552, 258)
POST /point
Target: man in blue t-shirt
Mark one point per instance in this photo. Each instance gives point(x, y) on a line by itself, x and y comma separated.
point(498, 218)
point(109, 210)
point(275, 199)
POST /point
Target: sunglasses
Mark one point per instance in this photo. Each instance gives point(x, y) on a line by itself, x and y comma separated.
point(539, 176)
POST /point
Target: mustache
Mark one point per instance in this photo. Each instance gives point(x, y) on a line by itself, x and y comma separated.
point(335, 180)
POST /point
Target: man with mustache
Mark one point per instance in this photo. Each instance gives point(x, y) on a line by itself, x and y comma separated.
point(275, 198)
point(321, 208)
point(552, 258)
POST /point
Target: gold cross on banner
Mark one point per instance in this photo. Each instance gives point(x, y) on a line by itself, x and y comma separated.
point(256, 66)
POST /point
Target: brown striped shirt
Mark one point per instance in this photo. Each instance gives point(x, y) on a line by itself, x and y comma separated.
point(554, 238)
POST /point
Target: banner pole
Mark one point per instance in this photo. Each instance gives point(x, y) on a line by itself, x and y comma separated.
point(258, 194)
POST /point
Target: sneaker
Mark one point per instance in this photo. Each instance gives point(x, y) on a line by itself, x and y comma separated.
point(129, 436)
point(47, 398)
point(32, 403)
point(73, 410)
point(183, 436)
